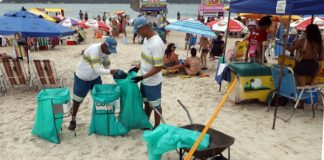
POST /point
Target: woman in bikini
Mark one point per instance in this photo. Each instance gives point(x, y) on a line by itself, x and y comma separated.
point(311, 48)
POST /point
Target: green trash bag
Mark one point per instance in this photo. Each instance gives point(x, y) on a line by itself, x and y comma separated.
point(165, 138)
point(44, 122)
point(132, 114)
point(105, 100)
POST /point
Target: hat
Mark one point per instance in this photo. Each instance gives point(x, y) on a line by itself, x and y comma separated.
point(111, 44)
point(139, 22)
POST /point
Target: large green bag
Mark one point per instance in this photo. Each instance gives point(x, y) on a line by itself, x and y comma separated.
point(132, 114)
point(165, 138)
point(105, 100)
point(44, 123)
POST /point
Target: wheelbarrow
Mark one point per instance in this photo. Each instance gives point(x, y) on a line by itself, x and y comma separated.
point(218, 141)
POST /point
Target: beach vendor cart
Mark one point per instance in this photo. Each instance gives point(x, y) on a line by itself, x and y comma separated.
point(255, 81)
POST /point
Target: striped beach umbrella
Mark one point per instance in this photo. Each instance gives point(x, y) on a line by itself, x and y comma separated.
point(69, 22)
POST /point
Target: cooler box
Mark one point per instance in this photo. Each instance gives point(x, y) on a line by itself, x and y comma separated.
point(255, 81)
point(70, 42)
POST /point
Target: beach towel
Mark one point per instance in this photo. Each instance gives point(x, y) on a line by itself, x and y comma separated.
point(165, 138)
point(44, 125)
point(106, 99)
point(132, 114)
point(223, 72)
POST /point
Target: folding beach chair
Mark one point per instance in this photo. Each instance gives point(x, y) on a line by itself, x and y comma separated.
point(9, 41)
point(290, 90)
point(13, 74)
point(42, 43)
point(21, 52)
point(46, 74)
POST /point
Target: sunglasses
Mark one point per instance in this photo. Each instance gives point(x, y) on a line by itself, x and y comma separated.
point(174, 47)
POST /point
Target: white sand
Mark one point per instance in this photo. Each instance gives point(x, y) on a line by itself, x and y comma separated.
point(249, 124)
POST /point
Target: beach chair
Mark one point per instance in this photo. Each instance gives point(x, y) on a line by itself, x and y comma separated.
point(9, 41)
point(290, 90)
point(13, 74)
point(21, 52)
point(46, 74)
point(42, 43)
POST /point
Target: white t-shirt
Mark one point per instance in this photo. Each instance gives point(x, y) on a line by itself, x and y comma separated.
point(152, 56)
point(89, 67)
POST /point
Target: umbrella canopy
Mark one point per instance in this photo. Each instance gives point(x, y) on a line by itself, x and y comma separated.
point(317, 20)
point(191, 26)
point(69, 22)
point(221, 25)
point(99, 25)
point(274, 17)
point(45, 16)
point(30, 25)
point(119, 12)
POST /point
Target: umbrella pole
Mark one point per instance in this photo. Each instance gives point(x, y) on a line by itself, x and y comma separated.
point(226, 33)
point(312, 20)
point(280, 74)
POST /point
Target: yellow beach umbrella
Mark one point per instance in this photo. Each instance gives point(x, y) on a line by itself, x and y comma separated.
point(119, 12)
point(45, 16)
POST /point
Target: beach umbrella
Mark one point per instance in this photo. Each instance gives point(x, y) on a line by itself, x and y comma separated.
point(98, 25)
point(191, 26)
point(221, 25)
point(69, 22)
point(39, 13)
point(30, 25)
point(317, 20)
point(119, 12)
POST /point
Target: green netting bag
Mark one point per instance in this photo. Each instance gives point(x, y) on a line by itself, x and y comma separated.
point(165, 138)
point(132, 114)
point(106, 98)
point(44, 122)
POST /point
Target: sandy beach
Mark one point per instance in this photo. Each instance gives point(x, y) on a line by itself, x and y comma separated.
point(249, 123)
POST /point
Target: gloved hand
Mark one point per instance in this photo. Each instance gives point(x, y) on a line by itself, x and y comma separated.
point(135, 69)
point(137, 79)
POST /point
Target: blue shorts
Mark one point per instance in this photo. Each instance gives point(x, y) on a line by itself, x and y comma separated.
point(81, 87)
point(152, 94)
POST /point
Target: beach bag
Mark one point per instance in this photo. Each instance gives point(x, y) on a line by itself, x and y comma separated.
point(48, 124)
point(105, 102)
point(132, 114)
point(252, 50)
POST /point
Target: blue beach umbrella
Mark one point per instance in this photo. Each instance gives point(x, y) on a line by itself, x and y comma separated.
point(30, 25)
point(191, 26)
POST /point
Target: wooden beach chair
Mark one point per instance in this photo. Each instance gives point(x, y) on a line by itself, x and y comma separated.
point(46, 74)
point(13, 74)
point(42, 43)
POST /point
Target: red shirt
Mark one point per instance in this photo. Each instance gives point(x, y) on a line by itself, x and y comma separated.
point(257, 37)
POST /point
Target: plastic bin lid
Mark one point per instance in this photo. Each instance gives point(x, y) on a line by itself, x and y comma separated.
point(58, 95)
point(250, 69)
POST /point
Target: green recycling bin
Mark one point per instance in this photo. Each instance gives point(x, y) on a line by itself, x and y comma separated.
point(49, 114)
point(106, 97)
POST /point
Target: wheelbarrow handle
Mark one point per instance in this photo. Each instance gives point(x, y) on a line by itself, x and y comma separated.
point(157, 111)
point(185, 108)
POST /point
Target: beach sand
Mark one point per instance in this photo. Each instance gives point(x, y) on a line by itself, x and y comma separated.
point(249, 123)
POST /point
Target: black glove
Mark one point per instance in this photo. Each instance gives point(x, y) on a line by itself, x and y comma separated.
point(135, 69)
point(137, 79)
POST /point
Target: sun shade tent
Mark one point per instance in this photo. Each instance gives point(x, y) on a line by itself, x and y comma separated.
point(281, 7)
